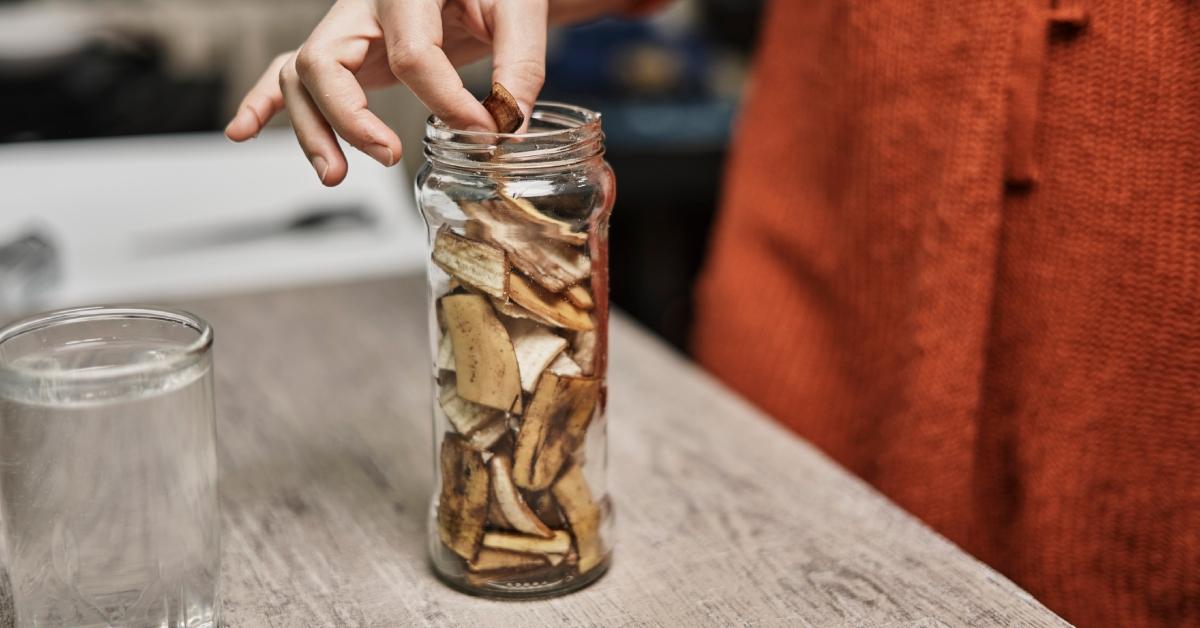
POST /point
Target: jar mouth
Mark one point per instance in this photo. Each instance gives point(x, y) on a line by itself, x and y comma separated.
point(547, 121)
point(182, 354)
point(559, 136)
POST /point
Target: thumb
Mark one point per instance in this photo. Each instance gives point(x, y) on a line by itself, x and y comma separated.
point(519, 54)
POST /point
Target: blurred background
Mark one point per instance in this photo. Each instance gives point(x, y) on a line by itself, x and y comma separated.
point(116, 184)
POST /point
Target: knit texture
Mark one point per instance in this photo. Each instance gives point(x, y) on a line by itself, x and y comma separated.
point(969, 270)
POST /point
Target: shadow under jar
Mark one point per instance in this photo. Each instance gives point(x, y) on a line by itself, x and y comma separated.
point(518, 320)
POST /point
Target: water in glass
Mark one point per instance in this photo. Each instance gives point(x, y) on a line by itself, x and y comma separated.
point(109, 495)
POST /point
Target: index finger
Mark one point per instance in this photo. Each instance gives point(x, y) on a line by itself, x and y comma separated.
point(519, 58)
point(259, 105)
point(413, 34)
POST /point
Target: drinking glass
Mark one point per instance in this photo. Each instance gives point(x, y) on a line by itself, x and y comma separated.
point(108, 485)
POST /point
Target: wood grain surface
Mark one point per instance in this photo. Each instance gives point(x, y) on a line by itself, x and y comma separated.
point(724, 519)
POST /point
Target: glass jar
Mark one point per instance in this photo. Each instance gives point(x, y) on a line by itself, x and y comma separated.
point(518, 324)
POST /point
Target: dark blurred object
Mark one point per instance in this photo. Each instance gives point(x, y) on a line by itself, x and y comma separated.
point(613, 59)
point(105, 86)
point(29, 268)
point(733, 23)
point(669, 90)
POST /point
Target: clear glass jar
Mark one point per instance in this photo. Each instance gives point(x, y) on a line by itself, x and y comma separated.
point(518, 323)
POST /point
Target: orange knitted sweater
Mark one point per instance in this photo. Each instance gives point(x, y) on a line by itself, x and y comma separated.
point(960, 251)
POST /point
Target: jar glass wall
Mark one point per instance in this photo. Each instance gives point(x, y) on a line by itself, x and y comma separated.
point(518, 321)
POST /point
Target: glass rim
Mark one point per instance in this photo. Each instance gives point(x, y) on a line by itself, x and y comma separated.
point(186, 355)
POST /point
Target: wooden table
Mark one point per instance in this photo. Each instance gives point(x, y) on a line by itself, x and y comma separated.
point(724, 519)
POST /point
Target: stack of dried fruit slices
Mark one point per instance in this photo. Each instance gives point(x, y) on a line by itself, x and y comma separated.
point(520, 376)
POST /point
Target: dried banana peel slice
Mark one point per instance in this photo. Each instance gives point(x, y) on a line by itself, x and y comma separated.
point(504, 109)
point(484, 359)
point(495, 517)
point(583, 351)
point(445, 354)
point(522, 209)
point(465, 416)
point(491, 560)
point(512, 310)
point(552, 265)
point(552, 428)
point(580, 297)
point(575, 499)
point(558, 543)
point(475, 263)
point(536, 348)
point(564, 365)
point(487, 436)
point(463, 505)
point(547, 306)
point(512, 506)
point(555, 265)
point(543, 505)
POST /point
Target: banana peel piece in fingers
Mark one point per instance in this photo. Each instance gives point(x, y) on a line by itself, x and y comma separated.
point(553, 427)
point(463, 505)
point(484, 359)
point(575, 498)
point(477, 264)
point(504, 109)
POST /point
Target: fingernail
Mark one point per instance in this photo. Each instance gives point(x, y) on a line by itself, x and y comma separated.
point(321, 166)
point(381, 153)
point(229, 128)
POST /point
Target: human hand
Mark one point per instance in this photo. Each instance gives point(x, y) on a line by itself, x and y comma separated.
point(368, 44)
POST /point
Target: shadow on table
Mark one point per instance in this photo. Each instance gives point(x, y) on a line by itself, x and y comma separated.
point(302, 496)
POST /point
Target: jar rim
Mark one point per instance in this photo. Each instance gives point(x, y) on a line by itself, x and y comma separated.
point(573, 136)
point(572, 118)
point(178, 359)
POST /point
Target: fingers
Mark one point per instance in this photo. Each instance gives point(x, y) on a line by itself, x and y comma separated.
point(519, 57)
point(312, 131)
point(326, 65)
point(463, 48)
point(413, 35)
point(260, 104)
